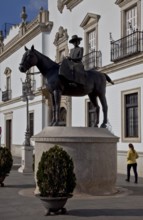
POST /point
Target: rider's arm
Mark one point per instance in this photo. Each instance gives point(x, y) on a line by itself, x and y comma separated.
point(80, 54)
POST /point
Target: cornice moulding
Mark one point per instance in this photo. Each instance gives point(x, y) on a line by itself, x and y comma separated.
point(88, 16)
point(70, 4)
point(129, 78)
point(113, 67)
point(121, 3)
point(117, 2)
point(18, 41)
point(17, 99)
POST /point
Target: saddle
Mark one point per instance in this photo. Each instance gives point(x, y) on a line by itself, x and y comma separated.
point(73, 71)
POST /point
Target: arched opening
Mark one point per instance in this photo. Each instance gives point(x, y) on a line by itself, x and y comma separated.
point(63, 116)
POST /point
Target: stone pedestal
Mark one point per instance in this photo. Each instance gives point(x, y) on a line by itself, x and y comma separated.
point(26, 160)
point(93, 151)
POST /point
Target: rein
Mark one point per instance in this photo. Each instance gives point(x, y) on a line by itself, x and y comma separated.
point(34, 73)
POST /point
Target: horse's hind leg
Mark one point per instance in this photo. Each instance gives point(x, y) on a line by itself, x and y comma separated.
point(105, 110)
point(94, 101)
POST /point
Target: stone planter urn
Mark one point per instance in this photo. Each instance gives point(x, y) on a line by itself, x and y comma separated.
point(56, 179)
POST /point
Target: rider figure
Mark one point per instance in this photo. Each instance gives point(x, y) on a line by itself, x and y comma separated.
point(74, 62)
point(76, 53)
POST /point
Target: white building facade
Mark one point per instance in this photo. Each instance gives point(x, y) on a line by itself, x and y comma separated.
point(13, 117)
point(113, 43)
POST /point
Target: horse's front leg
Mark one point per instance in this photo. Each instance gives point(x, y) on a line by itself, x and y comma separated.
point(53, 110)
point(94, 101)
point(57, 99)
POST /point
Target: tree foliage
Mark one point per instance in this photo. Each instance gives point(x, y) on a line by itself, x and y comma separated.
point(6, 161)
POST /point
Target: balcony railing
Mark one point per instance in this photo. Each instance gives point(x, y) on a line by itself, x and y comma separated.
point(6, 95)
point(92, 60)
point(127, 46)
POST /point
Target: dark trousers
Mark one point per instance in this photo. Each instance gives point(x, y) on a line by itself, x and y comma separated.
point(129, 166)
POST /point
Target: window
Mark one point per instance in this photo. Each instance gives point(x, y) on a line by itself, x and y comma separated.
point(92, 40)
point(90, 114)
point(131, 20)
point(90, 26)
point(8, 86)
point(91, 59)
point(131, 115)
point(130, 16)
point(8, 129)
point(92, 55)
point(31, 123)
point(7, 94)
point(8, 83)
point(131, 27)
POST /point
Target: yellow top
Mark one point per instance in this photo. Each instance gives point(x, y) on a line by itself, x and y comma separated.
point(131, 157)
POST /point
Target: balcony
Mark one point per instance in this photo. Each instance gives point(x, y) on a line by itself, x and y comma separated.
point(92, 60)
point(6, 95)
point(127, 46)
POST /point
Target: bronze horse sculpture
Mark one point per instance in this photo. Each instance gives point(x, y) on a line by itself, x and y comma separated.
point(95, 86)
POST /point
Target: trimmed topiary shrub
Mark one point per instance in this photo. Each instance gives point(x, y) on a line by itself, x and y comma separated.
point(6, 161)
point(55, 174)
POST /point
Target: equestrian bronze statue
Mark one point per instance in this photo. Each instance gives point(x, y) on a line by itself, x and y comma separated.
point(58, 84)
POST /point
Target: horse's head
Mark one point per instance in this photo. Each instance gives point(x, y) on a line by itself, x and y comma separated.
point(29, 59)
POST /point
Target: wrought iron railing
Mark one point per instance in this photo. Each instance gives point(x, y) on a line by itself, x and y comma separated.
point(127, 46)
point(6, 95)
point(92, 60)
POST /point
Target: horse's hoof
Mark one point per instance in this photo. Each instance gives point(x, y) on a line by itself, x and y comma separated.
point(51, 124)
point(56, 124)
point(103, 126)
point(95, 126)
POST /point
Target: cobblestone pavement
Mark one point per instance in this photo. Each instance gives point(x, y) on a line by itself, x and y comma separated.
point(17, 202)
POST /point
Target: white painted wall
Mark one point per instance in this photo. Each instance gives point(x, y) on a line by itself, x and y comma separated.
point(18, 108)
point(110, 21)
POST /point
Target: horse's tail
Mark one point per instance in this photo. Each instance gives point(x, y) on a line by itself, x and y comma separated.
point(108, 79)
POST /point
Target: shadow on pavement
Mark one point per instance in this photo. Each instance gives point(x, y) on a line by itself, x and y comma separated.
point(105, 212)
point(20, 186)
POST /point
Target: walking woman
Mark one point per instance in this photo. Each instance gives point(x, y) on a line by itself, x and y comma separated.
point(131, 162)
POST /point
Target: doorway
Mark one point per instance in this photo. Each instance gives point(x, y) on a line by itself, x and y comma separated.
point(8, 133)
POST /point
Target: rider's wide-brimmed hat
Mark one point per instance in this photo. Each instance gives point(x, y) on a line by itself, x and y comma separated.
point(74, 38)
